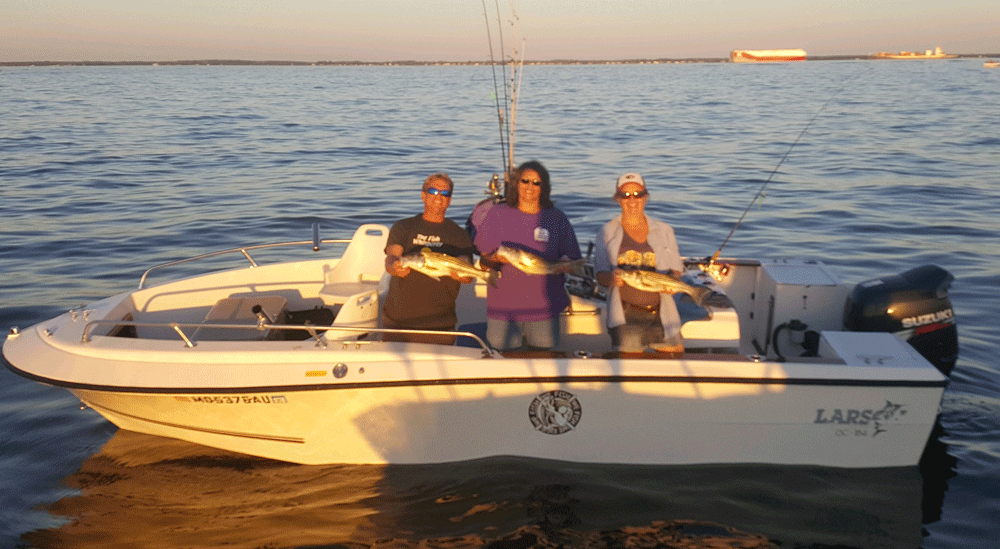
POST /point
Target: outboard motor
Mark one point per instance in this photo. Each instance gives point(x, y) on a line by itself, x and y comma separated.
point(914, 306)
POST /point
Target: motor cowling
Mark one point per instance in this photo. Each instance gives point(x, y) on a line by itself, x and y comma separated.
point(914, 306)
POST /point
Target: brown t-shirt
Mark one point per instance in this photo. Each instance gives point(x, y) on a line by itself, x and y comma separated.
point(637, 255)
point(417, 300)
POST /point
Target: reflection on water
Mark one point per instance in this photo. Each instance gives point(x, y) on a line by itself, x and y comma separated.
point(152, 492)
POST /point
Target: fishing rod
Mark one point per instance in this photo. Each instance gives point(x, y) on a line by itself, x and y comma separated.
point(511, 92)
point(517, 70)
point(496, 92)
point(760, 192)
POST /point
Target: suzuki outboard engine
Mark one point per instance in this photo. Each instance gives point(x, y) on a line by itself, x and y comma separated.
point(914, 306)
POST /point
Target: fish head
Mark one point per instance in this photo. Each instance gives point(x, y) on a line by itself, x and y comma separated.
point(412, 261)
point(628, 275)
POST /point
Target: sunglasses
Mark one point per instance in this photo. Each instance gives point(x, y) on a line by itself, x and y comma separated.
point(535, 182)
point(435, 192)
point(632, 194)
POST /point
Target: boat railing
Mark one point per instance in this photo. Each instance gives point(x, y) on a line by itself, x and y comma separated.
point(312, 329)
point(245, 250)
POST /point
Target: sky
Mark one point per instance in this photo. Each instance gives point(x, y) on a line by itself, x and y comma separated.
point(456, 30)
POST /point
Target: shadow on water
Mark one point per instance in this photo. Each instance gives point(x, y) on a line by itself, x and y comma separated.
point(936, 467)
point(152, 492)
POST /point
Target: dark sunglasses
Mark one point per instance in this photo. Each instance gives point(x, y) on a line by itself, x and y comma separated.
point(435, 192)
point(535, 182)
point(632, 194)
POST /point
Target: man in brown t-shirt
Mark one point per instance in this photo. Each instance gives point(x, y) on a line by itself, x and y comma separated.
point(416, 301)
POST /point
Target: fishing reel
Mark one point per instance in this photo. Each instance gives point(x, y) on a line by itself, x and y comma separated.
point(708, 265)
point(494, 189)
point(586, 286)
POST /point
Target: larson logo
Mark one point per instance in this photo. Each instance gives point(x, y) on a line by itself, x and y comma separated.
point(555, 412)
point(930, 318)
point(849, 416)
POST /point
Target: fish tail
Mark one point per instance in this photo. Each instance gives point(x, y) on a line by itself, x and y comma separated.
point(492, 276)
point(700, 294)
point(579, 267)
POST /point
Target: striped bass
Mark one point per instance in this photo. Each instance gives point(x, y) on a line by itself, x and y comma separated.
point(650, 281)
point(436, 265)
point(534, 265)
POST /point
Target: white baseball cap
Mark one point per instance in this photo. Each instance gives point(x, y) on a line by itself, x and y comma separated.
point(630, 177)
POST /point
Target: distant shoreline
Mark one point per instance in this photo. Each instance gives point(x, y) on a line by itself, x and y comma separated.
point(405, 63)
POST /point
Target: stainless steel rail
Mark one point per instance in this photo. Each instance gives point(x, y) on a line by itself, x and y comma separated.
point(245, 250)
point(312, 329)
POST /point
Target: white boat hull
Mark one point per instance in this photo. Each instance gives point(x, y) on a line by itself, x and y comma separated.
point(188, 360)
point(648, 421)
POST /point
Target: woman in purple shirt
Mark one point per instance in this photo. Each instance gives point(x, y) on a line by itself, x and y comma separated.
point(523, 309)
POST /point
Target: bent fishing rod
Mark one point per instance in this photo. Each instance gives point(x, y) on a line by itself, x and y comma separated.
point(760, 192)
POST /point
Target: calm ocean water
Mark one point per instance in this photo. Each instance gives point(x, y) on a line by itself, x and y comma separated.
point(107, 171)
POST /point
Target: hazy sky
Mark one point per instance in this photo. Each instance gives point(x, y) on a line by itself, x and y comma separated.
point(455, 30)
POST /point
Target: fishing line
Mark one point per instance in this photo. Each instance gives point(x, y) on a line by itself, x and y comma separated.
point(780, 162)
point(496, 91)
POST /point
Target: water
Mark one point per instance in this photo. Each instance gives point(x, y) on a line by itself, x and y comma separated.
point(107, 171)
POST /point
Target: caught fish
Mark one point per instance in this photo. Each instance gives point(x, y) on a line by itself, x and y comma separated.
point(650, 281)
point(532, 264)
point(436, 265)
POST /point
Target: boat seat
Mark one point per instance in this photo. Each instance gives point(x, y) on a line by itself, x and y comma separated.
point(240, 310)
point(713, 328)
point(339, 292)
point(361, 268)
point(358, 311)
point(719, 332)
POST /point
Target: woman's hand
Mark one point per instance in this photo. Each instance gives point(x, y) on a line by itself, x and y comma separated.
point(618, 278)
point(492, 260)
point(608, 278)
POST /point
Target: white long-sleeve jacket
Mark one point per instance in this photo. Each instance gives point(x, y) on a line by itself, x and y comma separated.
point(661, 238)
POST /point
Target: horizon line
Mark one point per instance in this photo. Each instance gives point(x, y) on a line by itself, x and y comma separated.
point(410, 62)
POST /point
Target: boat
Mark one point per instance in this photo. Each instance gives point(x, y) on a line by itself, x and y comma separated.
point(766, 56)
point(282, 359)
point(936, 53)
point(991, 64)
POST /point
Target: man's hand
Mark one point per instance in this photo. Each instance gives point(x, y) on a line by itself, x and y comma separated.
point(398, 270)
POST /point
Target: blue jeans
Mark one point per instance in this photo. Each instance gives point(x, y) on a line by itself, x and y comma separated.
point(505, 335)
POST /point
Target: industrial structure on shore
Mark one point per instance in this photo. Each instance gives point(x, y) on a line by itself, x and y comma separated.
point(766, 56)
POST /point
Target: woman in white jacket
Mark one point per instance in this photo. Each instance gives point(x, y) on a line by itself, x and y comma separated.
point(638, 320)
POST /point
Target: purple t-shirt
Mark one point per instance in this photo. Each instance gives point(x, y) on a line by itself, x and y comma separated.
point(519, 296)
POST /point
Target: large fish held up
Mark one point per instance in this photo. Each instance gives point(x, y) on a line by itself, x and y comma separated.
point(650, 281)
point(534, 265)
point(436, 265)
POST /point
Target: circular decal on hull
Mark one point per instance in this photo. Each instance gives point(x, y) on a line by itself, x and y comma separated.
point(555, 412)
